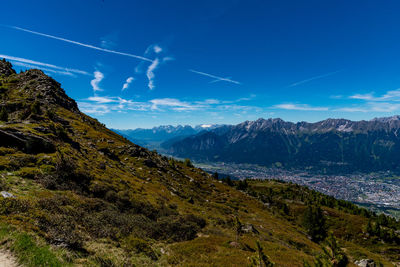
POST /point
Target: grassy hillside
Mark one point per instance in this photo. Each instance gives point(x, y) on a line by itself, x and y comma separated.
point(76, 193)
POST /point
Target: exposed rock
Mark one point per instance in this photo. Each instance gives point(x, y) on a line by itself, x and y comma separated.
point(6, 68)
point(365, 263)
point(6, 194)
point(26, 142)
point(46, 90)
point(249, 228)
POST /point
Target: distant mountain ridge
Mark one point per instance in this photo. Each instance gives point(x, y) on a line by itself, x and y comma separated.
point(154, 137)
point(328, 145)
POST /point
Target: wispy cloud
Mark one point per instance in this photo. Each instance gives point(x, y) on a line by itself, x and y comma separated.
point(215, 77)
point(39, 65)
point(100, 105)
point(82, 44)
point(387, 102)
point(156, 51)
point(150, 73)
point(362, 97)
point(173, 103)
point(127, 83)
point(102, 99)
point(109, 41)
point(98, 77)
point(393, 95)
point(96, 109)
point(382, 107)
point(314, 78)
point(352, 109)
point(301, 107)
point(43, 69)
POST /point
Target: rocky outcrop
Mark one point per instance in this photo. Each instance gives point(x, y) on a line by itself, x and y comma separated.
point(46, 90)
point(365, 263)
point(26, 142)
point(6, 68)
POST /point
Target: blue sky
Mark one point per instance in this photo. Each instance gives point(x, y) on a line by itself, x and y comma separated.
point(145, 63)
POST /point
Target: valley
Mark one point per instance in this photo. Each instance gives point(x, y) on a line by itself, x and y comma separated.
point(378, 191)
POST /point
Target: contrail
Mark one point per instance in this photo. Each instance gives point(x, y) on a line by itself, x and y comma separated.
point(37, 63)
point(81, 44)
point(215, 77)
point(314, 78)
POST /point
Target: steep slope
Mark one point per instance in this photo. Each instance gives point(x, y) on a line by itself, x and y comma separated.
point(333, 145)
point(99, 200)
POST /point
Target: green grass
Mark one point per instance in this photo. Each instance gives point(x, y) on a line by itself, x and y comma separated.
point(27, 249)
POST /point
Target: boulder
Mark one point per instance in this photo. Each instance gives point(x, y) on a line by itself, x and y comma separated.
point(365, 263)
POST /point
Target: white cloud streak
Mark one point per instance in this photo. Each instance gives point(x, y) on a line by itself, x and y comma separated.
point(300, 107)
point(393, 95)
point(215, 77)
point(82, 44)
point(16, 63)
point(173, 103)
point(387, 102)
point(314, 78)
point(157, 49)
point(42, 64)
point(100, 105)
point(98, 77)
point(127, 83)
point(150, 73)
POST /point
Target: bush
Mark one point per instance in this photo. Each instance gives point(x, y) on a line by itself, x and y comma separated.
point(29, 172)
point(3, 114)
point(137, 245)
point(314, 223)
point(188, 163)
point(35, 108)
point(178, 228)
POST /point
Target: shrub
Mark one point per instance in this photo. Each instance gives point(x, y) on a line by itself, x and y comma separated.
point(13, 206)
point(35, 108)
point(3, 184)
point(178, 228)
point(137, 245)
point(61, 230)
point(314, 223)
point(188, 163)
point(215, 175)
point(3, 114)
point(29, 172)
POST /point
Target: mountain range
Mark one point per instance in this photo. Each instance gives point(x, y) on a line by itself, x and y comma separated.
point(332, 145)
point(155, 137)
point(74, 193)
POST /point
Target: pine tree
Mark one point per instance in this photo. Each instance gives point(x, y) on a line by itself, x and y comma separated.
point(314, 223)
point(188, 163)
point(334, 253)
point(369, 227)
point(215, 175)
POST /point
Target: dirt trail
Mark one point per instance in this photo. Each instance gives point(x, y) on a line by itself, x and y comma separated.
point(7, 260)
